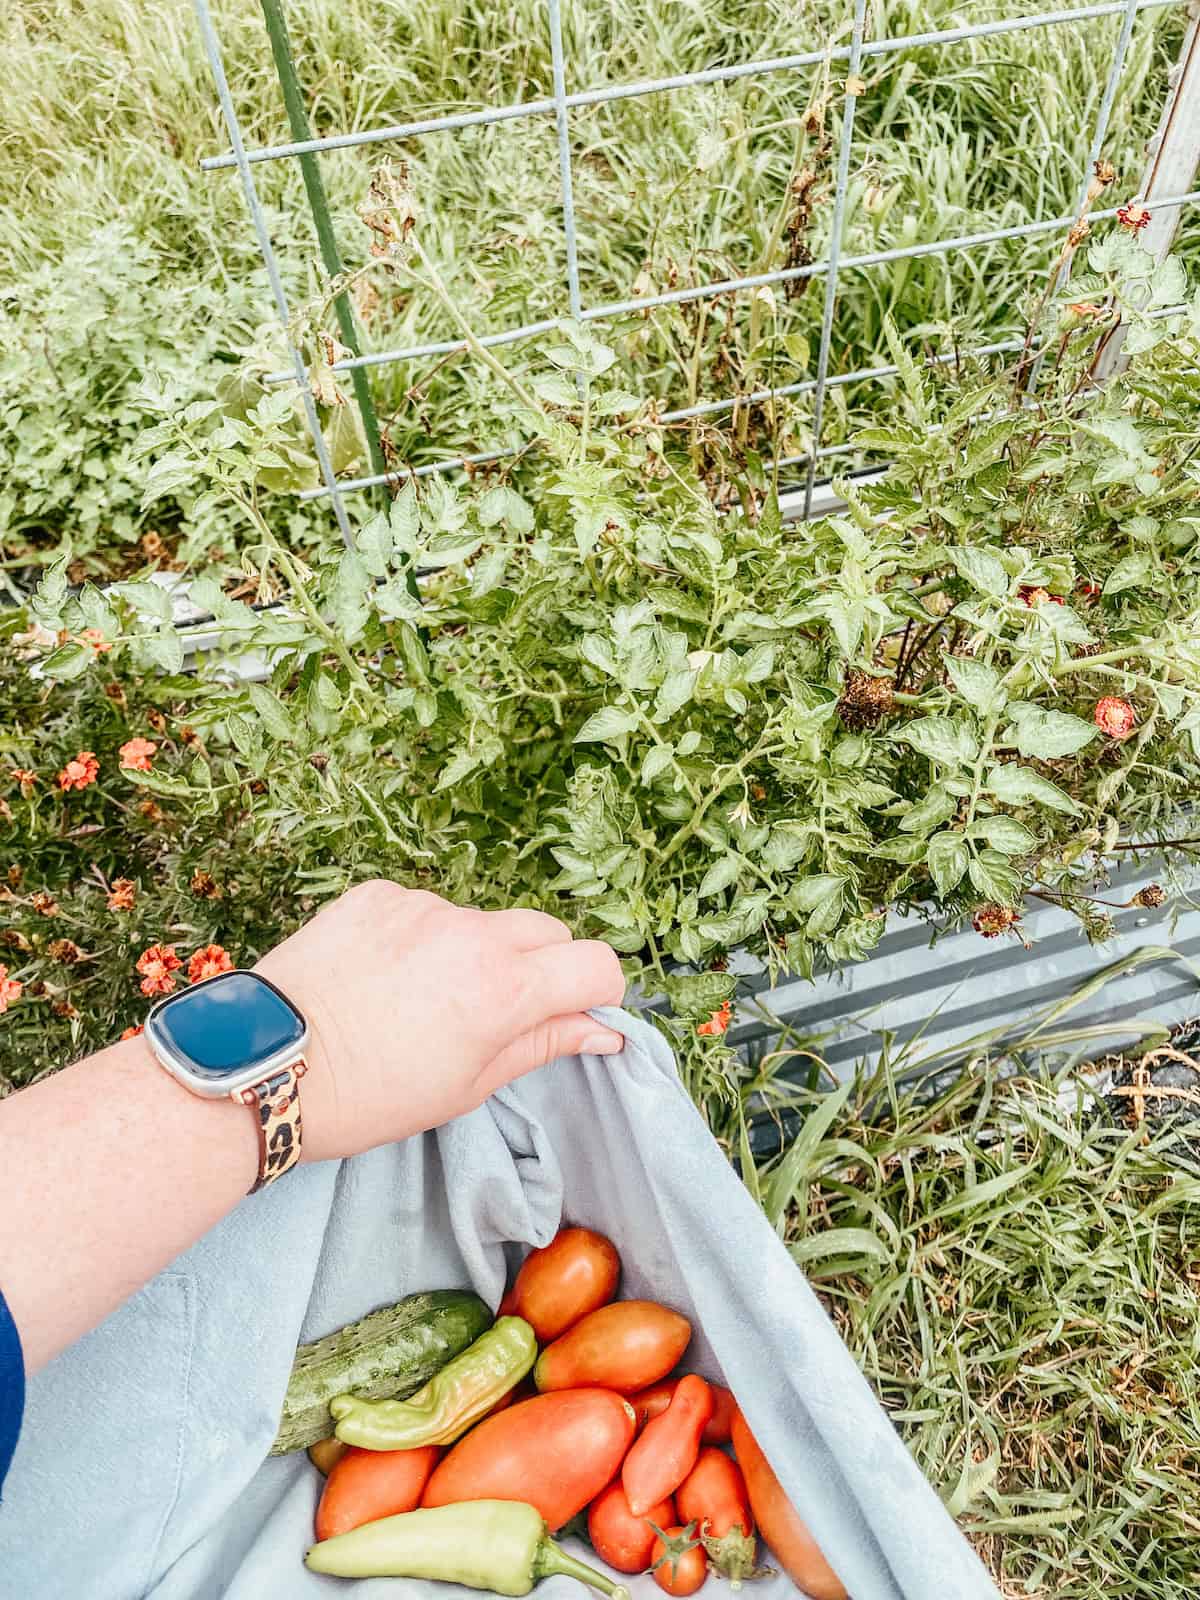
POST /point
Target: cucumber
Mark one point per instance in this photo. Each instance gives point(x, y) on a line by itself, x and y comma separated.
point(388, 1355)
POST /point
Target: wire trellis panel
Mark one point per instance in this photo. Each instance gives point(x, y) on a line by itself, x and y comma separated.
point(1167, 189)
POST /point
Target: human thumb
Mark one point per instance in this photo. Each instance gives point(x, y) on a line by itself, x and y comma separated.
point(571, 1035)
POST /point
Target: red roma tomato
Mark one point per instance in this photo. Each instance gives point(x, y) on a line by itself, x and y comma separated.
point(623, 1346)
point(620, 1538)
point(720, 1423)
point(575, 1273)
point(779, 1522)
point(366, 1484)
point(680, 1566)
point(714, 1497)
point(666, 1452)
point(653, 1401)
point(556, 1452)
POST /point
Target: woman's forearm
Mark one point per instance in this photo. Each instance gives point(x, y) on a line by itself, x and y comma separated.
point(417, 1011)
point(110, 1170)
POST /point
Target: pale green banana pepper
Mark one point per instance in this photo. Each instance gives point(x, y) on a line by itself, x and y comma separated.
point(452, 1401)
point(501, 1545)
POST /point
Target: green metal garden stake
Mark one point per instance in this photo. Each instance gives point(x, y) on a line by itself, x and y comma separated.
point(293, 99)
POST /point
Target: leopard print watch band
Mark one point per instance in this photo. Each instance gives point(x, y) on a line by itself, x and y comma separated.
point(276, 1103)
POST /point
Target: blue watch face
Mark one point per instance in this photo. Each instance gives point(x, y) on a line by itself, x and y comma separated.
point(234, 1021)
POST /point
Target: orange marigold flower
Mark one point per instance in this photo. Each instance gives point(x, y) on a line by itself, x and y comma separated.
point(25, 778)
point(10, 989)
point(1134, 216)
point(131, 1033)
point(1114, 716)
point(717, 1023)
point(156, 965)
point(207, 962)
point(991, 920)
point(121, 893)
point(1086, 308)
point(79, 773)
point(135, 754)
point(96, 639)
point(44, 903)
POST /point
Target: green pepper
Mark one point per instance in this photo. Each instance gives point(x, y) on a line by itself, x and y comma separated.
point(451, 1402)
point(500, 1545)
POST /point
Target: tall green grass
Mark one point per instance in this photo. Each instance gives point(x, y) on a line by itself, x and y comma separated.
point(117, 107)
point(1017, 1276)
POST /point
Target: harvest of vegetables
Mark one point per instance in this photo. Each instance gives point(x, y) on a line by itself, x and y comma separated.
point(458, 1483)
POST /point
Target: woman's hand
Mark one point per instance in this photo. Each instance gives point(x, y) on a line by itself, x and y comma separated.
point(419, 1009)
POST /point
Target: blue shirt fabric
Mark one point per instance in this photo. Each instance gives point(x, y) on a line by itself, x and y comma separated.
point(12, 1387)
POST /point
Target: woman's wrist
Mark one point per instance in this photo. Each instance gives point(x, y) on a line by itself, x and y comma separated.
point(220, 1131)
point(318, 1087)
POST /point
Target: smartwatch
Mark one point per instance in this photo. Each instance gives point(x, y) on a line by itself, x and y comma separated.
point(238, 1035)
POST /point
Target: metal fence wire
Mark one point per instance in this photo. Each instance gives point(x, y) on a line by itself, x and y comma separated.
point(1173, 157)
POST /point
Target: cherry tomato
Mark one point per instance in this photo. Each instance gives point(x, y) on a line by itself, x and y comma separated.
point(779, 1522)
point(666, 1452)
point(620, 1538)
point(653, 1401)
point(714, 1497)
point(366, 1484)
point(680, 1565)
point(623, 1346)
point(575, 1273)
point(556, 1452)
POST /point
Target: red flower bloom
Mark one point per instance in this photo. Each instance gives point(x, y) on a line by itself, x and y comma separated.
point(79, 773)
point(10, 989)
point(208, 962)
point(1031, 596)
point(96, 639)
point(1090, 592)
point(1115, 717)
point(1135, 216)
point(135, 754)
point(156, 966)
point(992, 920)
point(120, 895)
point(131, 1033)
point(717, 1023)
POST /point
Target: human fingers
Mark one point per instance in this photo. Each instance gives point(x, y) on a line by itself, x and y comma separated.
point(558, 979)
point(525, 929)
